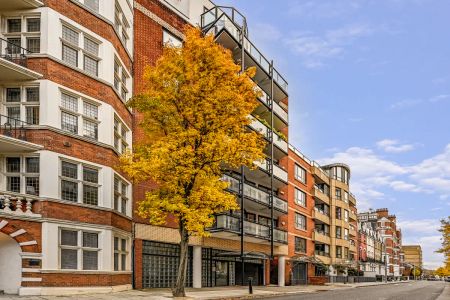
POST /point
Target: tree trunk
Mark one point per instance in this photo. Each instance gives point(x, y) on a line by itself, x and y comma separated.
point(178, 290)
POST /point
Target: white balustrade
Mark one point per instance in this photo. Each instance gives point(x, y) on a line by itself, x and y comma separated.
point(17, 205)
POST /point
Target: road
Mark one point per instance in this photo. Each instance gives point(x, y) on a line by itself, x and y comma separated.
point(420, 290)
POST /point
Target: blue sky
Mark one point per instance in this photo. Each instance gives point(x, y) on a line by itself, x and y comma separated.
point(369, 85)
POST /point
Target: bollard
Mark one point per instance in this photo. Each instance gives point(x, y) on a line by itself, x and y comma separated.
point(250, 287)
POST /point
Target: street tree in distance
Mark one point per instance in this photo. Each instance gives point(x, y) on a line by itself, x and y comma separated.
point(445, 249)
point(195, 110)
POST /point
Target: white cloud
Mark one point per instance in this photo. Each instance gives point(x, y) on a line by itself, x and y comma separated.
point(414, 227)
point(394, 146)
point(406, 103)
point(323, 9)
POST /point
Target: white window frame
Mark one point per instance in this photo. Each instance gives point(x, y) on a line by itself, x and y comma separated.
point(23, 104)
point(169, 39)
point(22, 174)
point(120, 142)
point(346, 215)
point(80, 49)
point(298, 223)
point(121, 265)
point(300, 174)
point(302, 200)
point(80, 181)
point(23, 34)
point(121, 195)
point(79, 113)
point(121, 78)
point(97, 9)
point(79, 248)
point(121, 24)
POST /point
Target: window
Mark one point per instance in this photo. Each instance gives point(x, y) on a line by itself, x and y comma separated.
point(346, 255)
point(120, 254)
point(346, 236)
point(120, 195)
point(23, 32)
point(300, 197)
point(92, 4)
point(300, 221)
point(338, 213)
point(79, 183)
point(300, 174)
point(78, 250)
point(22, 103)
point(72, 50)
point(339, 251)
point(345, 215)
point(338, 193)
point(120, 79)
point(338, 232)
point(121, 24)
point(300, 245)
point(22, 175)
point(171, 40)
point(341, 174)
point(71, 118)
point(345, 196)
point(120, 136)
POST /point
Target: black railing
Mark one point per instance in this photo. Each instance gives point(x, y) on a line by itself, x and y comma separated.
point(13, 128)
point(13, 52)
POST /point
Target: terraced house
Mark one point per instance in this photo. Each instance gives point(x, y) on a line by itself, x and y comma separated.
point(65, 210)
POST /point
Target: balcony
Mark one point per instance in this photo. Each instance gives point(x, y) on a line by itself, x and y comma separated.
point(323, 256)
point(352, 216)
point(321, 216)
point(228, 227)
point(278, 172)
point(219, 20)
point(259, 127)
point(14, 62)
point(8, 5)
point(320, 195)
point(321, 237)
point(352, 248)
point(280, 204)
point(17, 205)
point(13, 136)
point(319, 173)
point(352, 231)
point(352, 199)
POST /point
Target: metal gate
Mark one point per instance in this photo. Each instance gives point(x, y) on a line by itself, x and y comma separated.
point(160, 264)
point(299, 273)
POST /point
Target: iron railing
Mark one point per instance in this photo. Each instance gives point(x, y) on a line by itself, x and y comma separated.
point(13, 128)
point(13, 52)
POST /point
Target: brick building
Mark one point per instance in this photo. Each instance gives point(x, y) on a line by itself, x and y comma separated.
point(65, 209)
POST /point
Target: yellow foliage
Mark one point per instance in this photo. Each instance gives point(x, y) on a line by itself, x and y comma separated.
point(195, 111)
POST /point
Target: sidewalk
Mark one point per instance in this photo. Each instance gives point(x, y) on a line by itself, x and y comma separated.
point(207, 293)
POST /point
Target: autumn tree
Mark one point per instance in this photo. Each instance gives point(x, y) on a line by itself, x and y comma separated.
point(445, 249)
point(195, 107)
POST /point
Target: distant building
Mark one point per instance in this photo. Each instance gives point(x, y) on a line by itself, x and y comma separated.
point(413, 257)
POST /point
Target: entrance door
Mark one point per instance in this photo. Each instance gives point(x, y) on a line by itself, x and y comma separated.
point(10, 265)
point(253, 270)
point(299, 273)
point(222, 273)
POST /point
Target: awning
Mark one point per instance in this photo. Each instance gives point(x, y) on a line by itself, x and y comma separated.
point(246, 255)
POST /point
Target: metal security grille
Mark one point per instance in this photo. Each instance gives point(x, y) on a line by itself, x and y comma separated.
point(160, 263)
point(299, 275)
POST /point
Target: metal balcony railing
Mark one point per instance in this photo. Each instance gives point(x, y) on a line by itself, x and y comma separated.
point(13, 128)
point(13, 52)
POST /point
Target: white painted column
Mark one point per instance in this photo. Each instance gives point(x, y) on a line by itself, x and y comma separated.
point(197, 267)
point(281, 270)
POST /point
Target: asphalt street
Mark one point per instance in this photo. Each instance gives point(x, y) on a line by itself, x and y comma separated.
point(421, 290)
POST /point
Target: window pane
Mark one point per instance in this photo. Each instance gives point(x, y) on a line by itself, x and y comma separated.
point(90, 110)
point(69, 170)
point(92, 4)
point(69, 102)
point(70, 35)
point(70, 55)
point(32, 115)
point(91, 46)
point(90, 195)
point(32, 185)
point(116, 261)
point(91, 65)
point(123, 243)
point(14, 25)
point(14, 46)
point(69, 259)
point(69, 190)
point(13, 164)
point(90, 239)
point(32, 164)
point(34, 44)
point(123, 262)
point(69, 122)
point(90, 129)
point(13, 95)
point(69, 238)
point(90, 260)
point(33, 24)
point(13, 184)
point(123, 206)
point(90, 175)
point(32, 94)
point(14, 114)
point(116, 243)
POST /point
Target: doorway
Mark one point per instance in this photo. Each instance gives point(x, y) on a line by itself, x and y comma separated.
point(11, 265)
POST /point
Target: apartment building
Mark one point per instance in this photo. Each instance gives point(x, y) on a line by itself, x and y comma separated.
point(385, 224)
point(412, 258)
point(371, 259)
point(65, 208)
point(242, 243)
